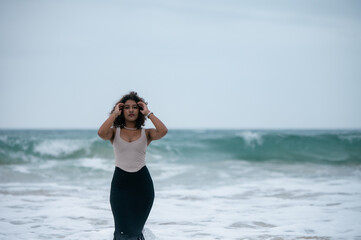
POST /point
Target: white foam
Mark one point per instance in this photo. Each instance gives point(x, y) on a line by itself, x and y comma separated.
point(251, 138)
point(223, 200)
point(350, 138)
point(21, 168)
point(102, 234)
point(4, 138)
point(166, 171)
point(60, 146)
point(96, 163)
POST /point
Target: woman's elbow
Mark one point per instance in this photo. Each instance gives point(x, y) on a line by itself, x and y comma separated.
point(102, 134)
point(165, 131)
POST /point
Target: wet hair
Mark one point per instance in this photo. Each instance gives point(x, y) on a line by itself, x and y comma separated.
point(120, 120)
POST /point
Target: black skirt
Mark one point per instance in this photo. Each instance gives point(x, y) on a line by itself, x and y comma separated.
point(131, 199)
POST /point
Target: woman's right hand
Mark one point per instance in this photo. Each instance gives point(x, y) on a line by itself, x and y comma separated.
point(118, 109)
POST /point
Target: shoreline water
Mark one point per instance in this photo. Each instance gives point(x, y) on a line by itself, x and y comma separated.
point(55, 185)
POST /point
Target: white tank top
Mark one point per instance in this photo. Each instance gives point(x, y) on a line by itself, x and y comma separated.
point(130, 156)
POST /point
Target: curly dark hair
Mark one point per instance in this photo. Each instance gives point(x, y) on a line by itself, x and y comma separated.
point(120, 121)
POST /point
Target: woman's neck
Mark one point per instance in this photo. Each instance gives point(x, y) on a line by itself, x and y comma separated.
point(130, 124)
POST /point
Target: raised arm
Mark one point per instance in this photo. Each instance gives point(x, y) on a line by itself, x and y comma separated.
point(160, 129)
point(105, 131)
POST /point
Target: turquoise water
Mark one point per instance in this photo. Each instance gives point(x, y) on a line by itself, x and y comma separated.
point(210, 184)
point(325, 147)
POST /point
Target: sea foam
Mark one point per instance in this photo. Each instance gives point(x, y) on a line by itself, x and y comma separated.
point(242, 184)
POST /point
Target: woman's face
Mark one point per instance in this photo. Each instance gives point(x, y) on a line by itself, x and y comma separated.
point(130, 110)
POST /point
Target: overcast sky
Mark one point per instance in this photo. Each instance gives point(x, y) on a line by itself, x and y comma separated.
point(198, 63)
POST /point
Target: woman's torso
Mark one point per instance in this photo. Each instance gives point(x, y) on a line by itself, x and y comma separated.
point(130, 156)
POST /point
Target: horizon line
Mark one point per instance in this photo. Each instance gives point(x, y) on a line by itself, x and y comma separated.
point(192, 128)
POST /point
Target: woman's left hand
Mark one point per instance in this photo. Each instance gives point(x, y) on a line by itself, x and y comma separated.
point(144, 107)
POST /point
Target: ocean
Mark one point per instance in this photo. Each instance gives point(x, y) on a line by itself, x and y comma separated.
point(209, 184)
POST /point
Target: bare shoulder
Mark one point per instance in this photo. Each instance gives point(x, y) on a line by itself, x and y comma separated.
point(154, 134)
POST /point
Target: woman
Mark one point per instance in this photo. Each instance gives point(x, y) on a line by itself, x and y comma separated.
point(132, 192)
